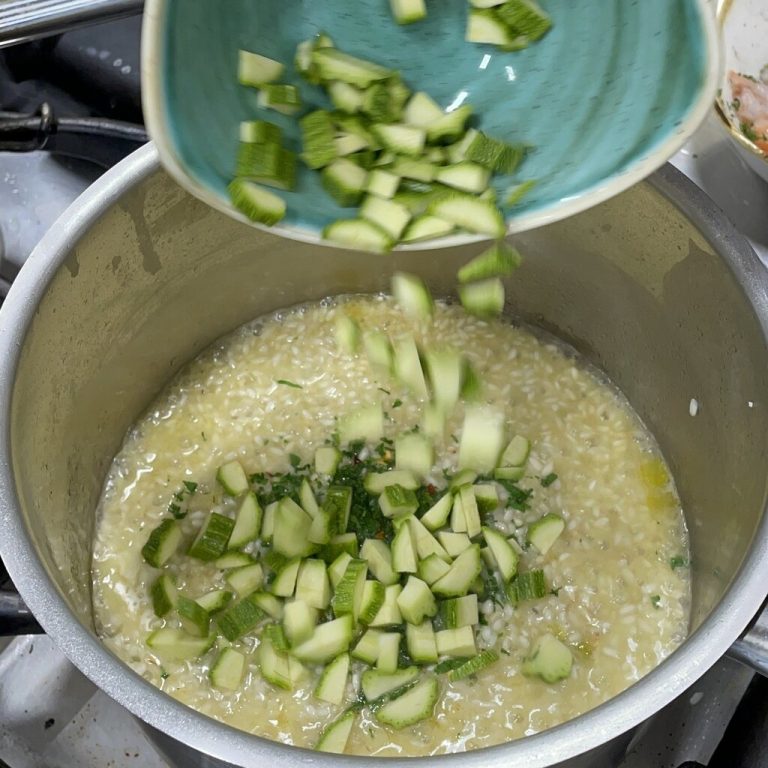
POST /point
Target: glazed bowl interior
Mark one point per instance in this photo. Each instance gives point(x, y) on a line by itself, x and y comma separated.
point(633, 285)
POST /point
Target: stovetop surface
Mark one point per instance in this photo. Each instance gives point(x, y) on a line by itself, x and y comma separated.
point(51, 716)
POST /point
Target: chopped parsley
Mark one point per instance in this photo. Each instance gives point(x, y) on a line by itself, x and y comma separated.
point(678, 561)
point(271, 487)
point(518, 497)
point(365, 516)
point(397, 403)
point(385, 391)
point(655, 600)
point(492, 589)
point(287, 383)
point(748, 131)
point(547, 480)
point(177, 507)
point(294, 459)
point(176, 511)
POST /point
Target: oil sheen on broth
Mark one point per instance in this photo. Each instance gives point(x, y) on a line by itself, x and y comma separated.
point(273, 390)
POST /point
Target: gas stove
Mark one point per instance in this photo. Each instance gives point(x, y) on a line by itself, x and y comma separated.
point(78, 95)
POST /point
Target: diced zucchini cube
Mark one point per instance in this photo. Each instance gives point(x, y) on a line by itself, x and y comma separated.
point(389, 613)
point(414, 452)
point(412, 294)
point(397, 501)
point(437, 515)
point(421, 642)
point(404, 558)
point(482, 439)
point(549, 659)
point(328, 641)
point(312, 585)
point(292, 525)
point(456, 642)
point(299, 621)
point(416, 601)
point(379, 558)
point(366, 423)
point(432, 568)
point(327, 460)
point(389, 651)
point(332, 685)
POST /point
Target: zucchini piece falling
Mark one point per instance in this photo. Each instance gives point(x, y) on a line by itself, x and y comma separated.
point(255, 70)
point(426, 228)
point(470, 213)
point(484, 298)
point(500, 260)
point(358, 234)
point(280, 97)
point(526, 17)
point(257, 203)
point(412, 295)
point(388, 215)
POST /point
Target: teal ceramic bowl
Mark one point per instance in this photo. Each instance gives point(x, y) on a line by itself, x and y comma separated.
point(614, 89)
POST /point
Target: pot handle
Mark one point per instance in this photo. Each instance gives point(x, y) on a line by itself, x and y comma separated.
point(29, 19)
point(752, 647)
point(15, 617)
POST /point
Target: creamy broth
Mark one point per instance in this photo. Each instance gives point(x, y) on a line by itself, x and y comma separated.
point(618, 600)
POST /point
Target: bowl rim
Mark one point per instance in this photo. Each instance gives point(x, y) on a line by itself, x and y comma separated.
point(154, 107)
point(723, 8)
point(738, 606)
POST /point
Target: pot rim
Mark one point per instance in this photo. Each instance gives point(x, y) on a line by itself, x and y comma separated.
point(643, 699)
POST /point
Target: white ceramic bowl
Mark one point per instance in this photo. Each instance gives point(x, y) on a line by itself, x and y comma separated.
point(744, 25)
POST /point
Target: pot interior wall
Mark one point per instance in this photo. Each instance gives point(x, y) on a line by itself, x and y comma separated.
point(632, 285)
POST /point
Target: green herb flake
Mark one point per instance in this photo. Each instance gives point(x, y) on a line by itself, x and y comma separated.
point(655, 600)
point(176, 511)
point(518, 497)
point(190, 486)
point(748, 130)
point(547, 480)
point(678, 561)
point(287, 383)
point(385, 391)
point(294, 459)
point(493, 589)
point(397, 403)
point(365, 516)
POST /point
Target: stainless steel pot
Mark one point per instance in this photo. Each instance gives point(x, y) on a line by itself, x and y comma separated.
point(654, 287)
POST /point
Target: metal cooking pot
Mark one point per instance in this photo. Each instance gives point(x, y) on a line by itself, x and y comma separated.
point(654, 287)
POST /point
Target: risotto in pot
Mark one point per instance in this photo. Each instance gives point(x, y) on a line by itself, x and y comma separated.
point(344, 528)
